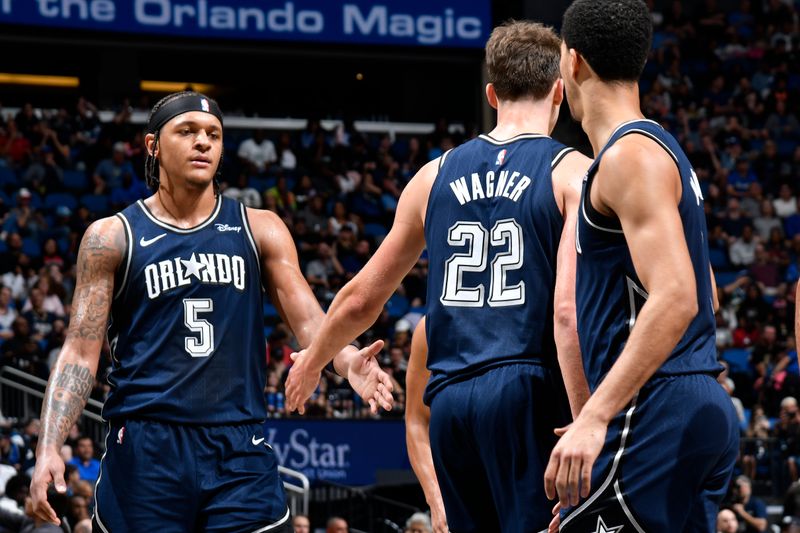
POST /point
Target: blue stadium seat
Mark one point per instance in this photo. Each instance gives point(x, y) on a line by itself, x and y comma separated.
point(738, 359)
point(75, 180)
point(718, 258)
point(96, 203)
point(397, 305)
point(259, 184)
point(55, 200)
point(270, 311)
point(375, 230)
point(8, 177)
point(31, 247)
point(726, 278)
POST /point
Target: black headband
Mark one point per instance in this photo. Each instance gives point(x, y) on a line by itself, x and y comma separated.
point(180, 105)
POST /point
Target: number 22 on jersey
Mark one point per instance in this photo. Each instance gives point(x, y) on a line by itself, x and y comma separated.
point(506, 234)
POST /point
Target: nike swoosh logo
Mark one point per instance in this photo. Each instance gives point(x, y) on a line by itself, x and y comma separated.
point(256, 441)
point(147, 242)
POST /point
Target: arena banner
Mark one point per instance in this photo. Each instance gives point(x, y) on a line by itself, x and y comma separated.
point(349, 452)
point(451, 23)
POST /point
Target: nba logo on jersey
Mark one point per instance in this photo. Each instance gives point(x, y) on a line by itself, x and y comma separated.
point(204, 104)
point(120, 435)
point(501, 156)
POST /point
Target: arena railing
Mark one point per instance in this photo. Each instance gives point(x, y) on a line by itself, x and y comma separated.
point(21, 397)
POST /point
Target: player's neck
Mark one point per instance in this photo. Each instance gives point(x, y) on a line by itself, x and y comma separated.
point(182, 206)
point(605, 107)
point(523, 116)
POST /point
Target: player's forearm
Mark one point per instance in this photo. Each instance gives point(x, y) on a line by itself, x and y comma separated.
point(350, 314)
point(67, 391)
point(660, 325)
point(419, 453)
point(569, 359)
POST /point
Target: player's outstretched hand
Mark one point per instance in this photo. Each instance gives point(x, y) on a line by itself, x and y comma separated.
point(49, 469)
point(569, 472)
point(368, 380)
point(301, 383)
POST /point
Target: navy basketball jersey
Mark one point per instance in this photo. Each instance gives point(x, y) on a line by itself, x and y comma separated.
point(186, 331)
point(608, 292)
point(492, 230)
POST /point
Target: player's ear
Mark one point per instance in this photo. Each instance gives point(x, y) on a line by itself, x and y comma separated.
point(491, 95)
point(558, 92)
point(150, 144)
point(576, 62)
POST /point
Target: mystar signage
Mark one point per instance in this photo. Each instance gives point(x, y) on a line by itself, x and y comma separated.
point(395, 22)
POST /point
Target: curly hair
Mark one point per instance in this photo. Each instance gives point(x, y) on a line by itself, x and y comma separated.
point(614, 36)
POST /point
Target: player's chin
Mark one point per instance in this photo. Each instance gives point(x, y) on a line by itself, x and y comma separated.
point(199, 178)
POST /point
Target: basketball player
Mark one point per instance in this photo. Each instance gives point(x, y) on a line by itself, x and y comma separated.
point(180, 275)
point(653, 449)
point(418, 419)
point(492, 214)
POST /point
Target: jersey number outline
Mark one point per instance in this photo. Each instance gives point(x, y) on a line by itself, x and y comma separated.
point(506, 232)
point(204, 346)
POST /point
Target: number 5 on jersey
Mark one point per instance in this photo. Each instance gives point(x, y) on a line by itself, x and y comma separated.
point(204, 346)
point(505, 233)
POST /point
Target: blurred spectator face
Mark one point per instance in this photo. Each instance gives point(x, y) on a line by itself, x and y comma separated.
point(21, 327)
point(769, 335)
point(324, 250)
point(14, 241)
point(50, 247)
point(119, 153)
point(346, 238)
point(337, 525)
point(726, 522)
point(733, 206)
point(79, 507)
point(747, 234)
point(785, 192)
point(37, 298)
point(317, 204)
point(770, 149)
point(744, 488)
point(362, 248)
point(301, 524)
point(766, 209)
point(5, 297)
point(84, 449)
point(66, 455)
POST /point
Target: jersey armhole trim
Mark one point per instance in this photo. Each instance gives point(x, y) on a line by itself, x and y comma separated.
point(560, 156)
point(128, 254)
point(251, 240)
point(441, 160)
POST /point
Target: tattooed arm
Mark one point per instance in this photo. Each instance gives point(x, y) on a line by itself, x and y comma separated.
point(72, 378)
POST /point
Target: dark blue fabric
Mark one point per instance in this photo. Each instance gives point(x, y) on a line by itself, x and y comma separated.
point(491, 204)
point(187, 328)
point(180, 479)
point(491, 438)
point(674, 466)
point(609, 294)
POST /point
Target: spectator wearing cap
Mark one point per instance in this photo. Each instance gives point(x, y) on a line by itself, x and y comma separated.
point(109, 172)
point(22, 218)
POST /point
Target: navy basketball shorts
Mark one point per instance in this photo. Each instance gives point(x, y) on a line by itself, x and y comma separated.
point(666, 464)
point(169, 478)
point(491, 437)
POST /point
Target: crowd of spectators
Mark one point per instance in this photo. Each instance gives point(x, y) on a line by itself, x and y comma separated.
point(726, 83)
